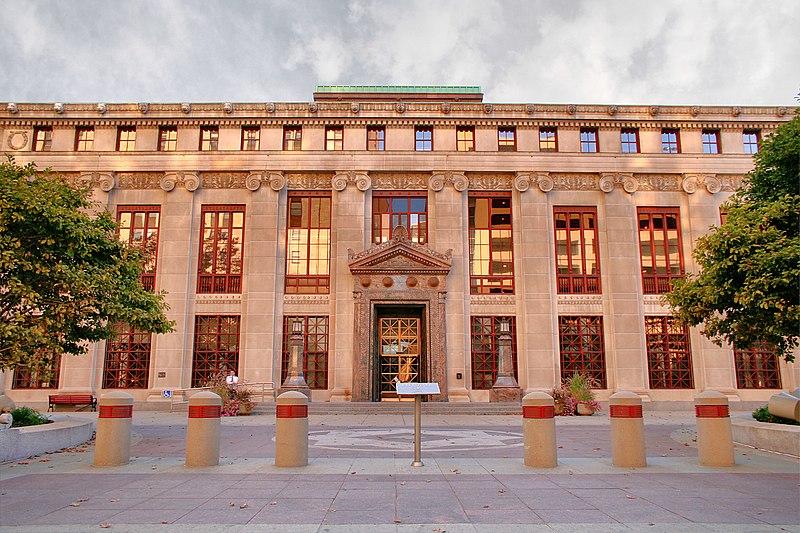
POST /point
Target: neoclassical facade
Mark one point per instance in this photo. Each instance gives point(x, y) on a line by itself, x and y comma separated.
point(406, 230)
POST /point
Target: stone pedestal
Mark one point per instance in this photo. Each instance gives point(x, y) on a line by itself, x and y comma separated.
point(295, 380)
point(505, 388)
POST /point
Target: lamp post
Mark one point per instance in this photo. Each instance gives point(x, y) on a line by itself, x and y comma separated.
point(505, 388)
point(295, 381)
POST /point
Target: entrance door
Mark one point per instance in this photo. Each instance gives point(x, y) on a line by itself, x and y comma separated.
point(399, 353)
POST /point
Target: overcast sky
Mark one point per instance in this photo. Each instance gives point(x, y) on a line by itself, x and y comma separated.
point(743, 52)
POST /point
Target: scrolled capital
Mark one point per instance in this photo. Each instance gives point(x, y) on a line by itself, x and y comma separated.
point(522, 181)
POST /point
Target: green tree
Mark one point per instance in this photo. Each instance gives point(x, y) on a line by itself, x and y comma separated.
point(65, 279)
point(748, 289)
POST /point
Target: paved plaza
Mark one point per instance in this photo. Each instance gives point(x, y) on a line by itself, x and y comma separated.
point(360, 478)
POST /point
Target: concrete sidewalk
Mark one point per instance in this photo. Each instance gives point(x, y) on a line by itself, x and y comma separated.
point(360, 479)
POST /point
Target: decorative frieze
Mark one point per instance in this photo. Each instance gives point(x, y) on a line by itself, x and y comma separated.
point(139, 180)
point(360, 179)
point(579, 304)
point(306, 299)
point(659, 182)
point(490, 299)
point(573, 181)
point(224, 180)
point(652, 305)
point(213, 299)
point(309, 181)
point(392, 182)
point(490, 182)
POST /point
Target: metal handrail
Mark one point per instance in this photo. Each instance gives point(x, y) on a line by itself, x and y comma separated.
point(260, 391)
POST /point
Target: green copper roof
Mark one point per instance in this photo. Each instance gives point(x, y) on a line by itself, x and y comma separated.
point(396, 89)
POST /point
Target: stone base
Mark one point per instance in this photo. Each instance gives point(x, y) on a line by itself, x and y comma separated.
point(503, 395)
point(301, 390)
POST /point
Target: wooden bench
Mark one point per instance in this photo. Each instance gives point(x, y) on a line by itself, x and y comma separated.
point(72, 399)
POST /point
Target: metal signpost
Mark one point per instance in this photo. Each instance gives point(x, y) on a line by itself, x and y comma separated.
point(417, 390)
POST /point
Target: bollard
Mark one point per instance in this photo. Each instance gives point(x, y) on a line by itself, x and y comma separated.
point(627, 430)
point(202, 434)
point(113, 437)
point(785, 405)
point(714, 436)
point(291, 429)
point(539, 430)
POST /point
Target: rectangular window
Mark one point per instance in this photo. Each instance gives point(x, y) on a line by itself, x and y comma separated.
point(669, 358)
point(506, 139)
point(711, 142)
point(390, 210)
point(757, 367)
point(485, 339)
point(209, 138)
point(334, 138)
point(84, 139)
point(577, 260)
point(292, 138)
point(308, 245)
point(630, 141)
point(221, 249)
point(751, 139)
point(167, 138)
point(376, 138)
point(251, 138)
point(44, 376)
point(548, 140)
point(491, 256)
point(588, 140)
point(580, 340)
point(216, 347)
point(465, 139)
point(42, 139)
point(423, 138)
point(138, 226)
point(314, 347)
point(126, 138)
point(660, 246)
point(127, 361)
point(670, 141)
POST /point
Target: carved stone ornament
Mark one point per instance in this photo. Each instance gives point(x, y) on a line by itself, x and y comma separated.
point(606, 182)
point(186, 108)
point(446, 108)
point(612, 110)
point(459, 181)
point(227, 107)
point(544, 181)
point(488, 108)
point(400, 107)
point(144, 107)
point(17, 139)
point(308, 181)
point(12, 108)
point(782, 111)
point(629, 184)
point(737, 111)
point(224, 180)
point(360, 179)
point(107, 181)
point(269, 107)
point(522, 181)
point(276, 180)
point(571, 109)
point(190, 180)
point(399, 181)
point(355, 107)
point(139, 180)
point(102, 108)
point(654, 110)
point(713, 185)
point(695, 110)
point(313, 107)
point(58, 107)
point(490, 182)
point(690, 182)
point(399, 256)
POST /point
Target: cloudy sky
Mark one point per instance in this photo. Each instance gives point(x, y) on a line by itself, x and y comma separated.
point(744, 52)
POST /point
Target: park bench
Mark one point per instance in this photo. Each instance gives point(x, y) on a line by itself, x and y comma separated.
point(72, 399)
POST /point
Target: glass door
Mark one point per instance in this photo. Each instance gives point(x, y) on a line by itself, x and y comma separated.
point(399, 353)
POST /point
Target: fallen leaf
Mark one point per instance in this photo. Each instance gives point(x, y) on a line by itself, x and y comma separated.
point(83, 500)
point(273, 503)
point(113, 501)
point(244, 506)
point(332, 510)
point(560, 446)
point(164, 522)
point(502, 491)
point(44, 460)
point(630, 496)
point(22, 463)
point(231, 504)
point(352, 472)
point(74, 504)
point(427, 481)
point(397, 521)
point(485, 506)
point(105, 525)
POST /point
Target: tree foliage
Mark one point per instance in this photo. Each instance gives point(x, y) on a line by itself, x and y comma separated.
point(748, 289)
point(65, 279)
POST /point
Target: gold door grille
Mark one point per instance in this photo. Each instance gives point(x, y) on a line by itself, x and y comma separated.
point(399, 356)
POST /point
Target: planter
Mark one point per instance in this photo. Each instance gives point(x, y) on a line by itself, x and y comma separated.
point(558, 408)
point(585, 410)
point(246, 409)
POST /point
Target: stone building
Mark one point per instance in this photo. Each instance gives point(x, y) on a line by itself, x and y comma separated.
point(407, 230)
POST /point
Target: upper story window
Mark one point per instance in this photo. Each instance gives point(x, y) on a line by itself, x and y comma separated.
point(209, 138)
point(577, 260)
point(126, 138)
point(42, 139)
point(670, 141)
point(711, 142)
point(376, 138)
point(548, 140)
point(660, 246)
point(491, 255)
point(751, 139)
point(138, 226)
point(292, 138)
point(167, 138)
point(465, 139)
point(423, 138)
point(630, 141)
point(308, 244)
point(390, 210)
point(506, 139)
point(251, 138)
point(84, 139)
point(588, 140)
point(334, 138)
point(221, 249)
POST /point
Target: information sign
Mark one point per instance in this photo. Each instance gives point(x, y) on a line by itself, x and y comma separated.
point(413, 389)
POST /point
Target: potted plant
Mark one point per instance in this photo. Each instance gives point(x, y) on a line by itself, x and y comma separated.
point(241, 395)
point(236, 399)
point(560, 396)
point(581, 394)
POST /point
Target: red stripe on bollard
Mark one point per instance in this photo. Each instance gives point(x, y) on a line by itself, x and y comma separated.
point(625, 411)
point(205, 411)
point(291, 411)
point(538, 411)
point(115, 411)
point(712, 411)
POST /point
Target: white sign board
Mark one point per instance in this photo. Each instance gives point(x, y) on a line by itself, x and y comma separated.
point(413, 389)
point(166, 394)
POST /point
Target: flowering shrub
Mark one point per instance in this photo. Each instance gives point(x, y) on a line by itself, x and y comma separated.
point(235, 399)
point(573, 391)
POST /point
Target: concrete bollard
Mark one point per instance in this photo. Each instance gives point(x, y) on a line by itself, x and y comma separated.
point(291, 429)
point(202, 434)
point(627, 430)
point(113, 437)
point(785, 405)
point(714, 436)
point(539, 430)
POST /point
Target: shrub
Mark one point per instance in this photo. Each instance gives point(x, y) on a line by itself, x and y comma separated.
point(762, 414)
point(25, 416)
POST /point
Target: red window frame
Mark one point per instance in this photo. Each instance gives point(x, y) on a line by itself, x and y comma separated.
point(376, 138)
point(670, 141)
point(126, 138)
point(588, 137)
point(548, 139)
point(334, 138)
point(465, 138)
point(390, 210)
point(292, 138)
point(751, 139)
point(167, 138)
point(84, 138)
point(139, 226)
point(315, 349)
point(209, 138)
point(711, 143)
point(582, 347)
point(629, 139)
point(491, 263)
point(308, 263)
point(660, 247)
point(40, 377)
point(216, 347)
point(757, 367)
point(127, 359)
point(576, 247)
point(42, 139)
point(485, 349)
point(669, 354)
point(423, 138)
point(251, 138)
point(506, 139)
point(220, 265)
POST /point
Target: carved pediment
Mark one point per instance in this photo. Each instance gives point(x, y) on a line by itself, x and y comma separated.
point(399, 256)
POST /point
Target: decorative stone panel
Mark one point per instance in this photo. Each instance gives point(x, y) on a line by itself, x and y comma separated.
point(458, 180)
point(360, 179)
point(309, 181)
point(224, 180)
point(408, 181)
point(190, 180)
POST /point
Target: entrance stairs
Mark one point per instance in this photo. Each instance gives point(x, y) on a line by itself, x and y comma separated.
point(400, 408)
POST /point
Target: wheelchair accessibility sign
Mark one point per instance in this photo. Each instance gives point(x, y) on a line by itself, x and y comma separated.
point(166, 394)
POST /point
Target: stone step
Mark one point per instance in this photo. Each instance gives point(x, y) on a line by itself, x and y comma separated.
point(401, 408)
